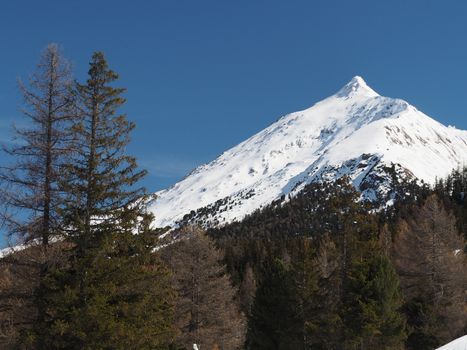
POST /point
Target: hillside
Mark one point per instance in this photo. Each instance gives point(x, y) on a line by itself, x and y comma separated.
point(355, 132)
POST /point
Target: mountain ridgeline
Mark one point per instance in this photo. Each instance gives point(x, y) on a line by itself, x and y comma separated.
point(340, 227)
point(374, 140)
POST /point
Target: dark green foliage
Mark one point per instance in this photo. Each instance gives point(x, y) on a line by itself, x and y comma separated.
point(332, 267)
point(372, 303)
point(274, 322)
point(100, 178)
point(112, 292)
point(420, 336)
point(318, 210)
point(304, 280)
point(125, 303)
point(453, 192)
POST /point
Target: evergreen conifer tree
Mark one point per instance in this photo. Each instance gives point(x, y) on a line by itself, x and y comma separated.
point(372, 303)
point(275, 321)
point(114, 292)
point(100, 179)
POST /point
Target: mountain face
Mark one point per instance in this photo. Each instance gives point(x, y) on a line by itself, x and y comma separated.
point(374, 140)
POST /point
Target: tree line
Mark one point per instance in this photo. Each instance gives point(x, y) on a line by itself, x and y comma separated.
point(325, 271)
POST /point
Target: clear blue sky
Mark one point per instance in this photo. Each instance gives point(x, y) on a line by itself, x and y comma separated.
point(204, 75)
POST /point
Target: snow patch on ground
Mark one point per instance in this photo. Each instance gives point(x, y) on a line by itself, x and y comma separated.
point(458, 344)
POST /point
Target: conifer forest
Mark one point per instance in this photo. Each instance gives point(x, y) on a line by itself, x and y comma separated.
point(320, 267)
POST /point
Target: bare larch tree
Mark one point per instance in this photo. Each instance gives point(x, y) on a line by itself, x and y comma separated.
point(29, 187)
point(429, 257)
point(206, 311)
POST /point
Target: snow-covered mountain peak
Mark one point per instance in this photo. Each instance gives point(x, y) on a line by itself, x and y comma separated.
point(356, 86)
point(356, 133)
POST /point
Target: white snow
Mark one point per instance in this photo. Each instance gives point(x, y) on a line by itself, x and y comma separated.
point(301, 146)
point(458, 344)
point(9, 250)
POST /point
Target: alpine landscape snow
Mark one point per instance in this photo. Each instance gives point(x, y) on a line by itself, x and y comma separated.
point(355, 132)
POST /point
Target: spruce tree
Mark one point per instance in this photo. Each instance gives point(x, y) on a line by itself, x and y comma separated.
point(127, 302)
point(101, 179)
point(371, 308)
point(275, 321)
point(114, 292)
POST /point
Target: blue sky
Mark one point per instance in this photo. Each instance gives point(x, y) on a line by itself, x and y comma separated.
point(204, 75)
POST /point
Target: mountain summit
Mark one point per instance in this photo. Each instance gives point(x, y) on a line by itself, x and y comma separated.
point(357, 86)
point(355, 132)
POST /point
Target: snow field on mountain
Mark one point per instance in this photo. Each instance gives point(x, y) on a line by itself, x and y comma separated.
point(353, 125)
